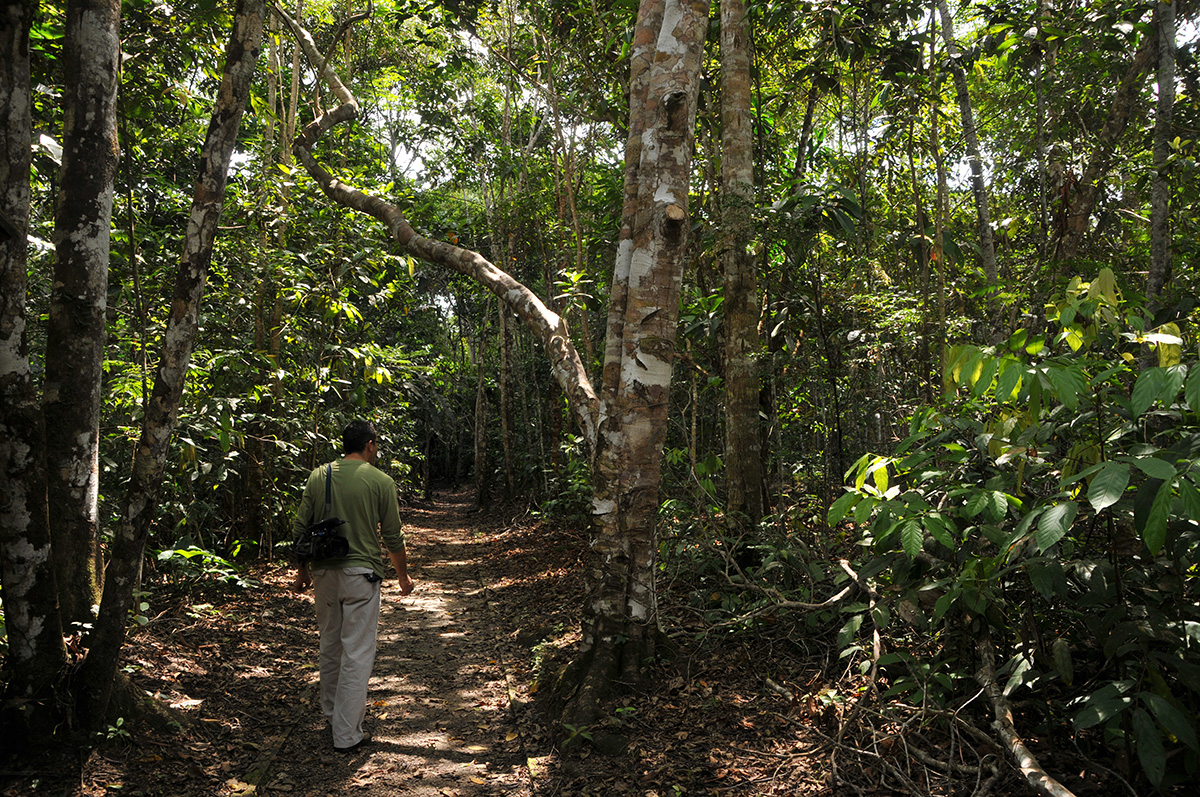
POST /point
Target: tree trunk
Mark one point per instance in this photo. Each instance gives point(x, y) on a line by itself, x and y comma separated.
point(621, 612)
point(987, 245)
point(138, 509)
point(743, 443)
point(1160, 187)
point(483, 482)
point(36, 655)
point(1080, 205)
point(75, 335)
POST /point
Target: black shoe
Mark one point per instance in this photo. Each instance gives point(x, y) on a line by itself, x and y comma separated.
point(360, 744)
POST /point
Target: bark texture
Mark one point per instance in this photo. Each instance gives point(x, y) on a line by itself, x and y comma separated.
point(36, 656)
point(78, 300)
point(162, 409)
point(743, 441)
point(1164, 133)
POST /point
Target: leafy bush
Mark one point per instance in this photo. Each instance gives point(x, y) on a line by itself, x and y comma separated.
point(1053, 504)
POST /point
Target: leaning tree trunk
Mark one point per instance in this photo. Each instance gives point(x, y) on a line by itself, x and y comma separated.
point(36, 656)
point(162, 410)
point(78, 301)
point(743, 441)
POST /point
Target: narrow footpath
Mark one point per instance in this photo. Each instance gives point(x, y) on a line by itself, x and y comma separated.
point(441, 710)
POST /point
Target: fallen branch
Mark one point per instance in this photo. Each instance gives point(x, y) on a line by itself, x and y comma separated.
point(1035, 776)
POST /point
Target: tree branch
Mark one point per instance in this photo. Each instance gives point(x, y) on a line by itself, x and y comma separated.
point(551, 328)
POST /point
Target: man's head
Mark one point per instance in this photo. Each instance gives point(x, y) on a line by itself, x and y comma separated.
point(357, 437)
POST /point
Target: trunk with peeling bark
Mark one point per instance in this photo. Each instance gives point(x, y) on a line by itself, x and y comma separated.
point(621, 624)
point(162, 409)
point(625, 424)
point(76, 332)
point(743, 442)
point(36, 655)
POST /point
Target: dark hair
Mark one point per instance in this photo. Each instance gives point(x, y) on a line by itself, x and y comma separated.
point(356, 435)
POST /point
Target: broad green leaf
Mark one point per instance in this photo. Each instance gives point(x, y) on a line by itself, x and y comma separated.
point(1068, 383)
point(1017, 339)
point(1054, 524)
point(984, 380)
point(1146, 390)
point(1191, 499)
point(1009, 381)
point(1155, 533)
point(942, 529)
point(978, 503)
point(1191, 391)
point(912, 537)
point(1172, 383)
point(1103, 704)
point(1108, 485)
point(840, 507)
point(1153, 467)
point(862, 512)
point(1148, 740)
point(1171, 718)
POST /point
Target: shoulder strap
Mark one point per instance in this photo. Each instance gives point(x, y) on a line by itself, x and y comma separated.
point(328, 489)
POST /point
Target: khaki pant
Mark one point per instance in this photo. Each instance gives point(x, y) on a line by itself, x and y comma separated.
point(348, 618)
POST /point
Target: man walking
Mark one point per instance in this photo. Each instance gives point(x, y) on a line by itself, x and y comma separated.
point(347, 589)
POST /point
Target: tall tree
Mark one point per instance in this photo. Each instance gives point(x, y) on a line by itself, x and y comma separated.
point(743, 440)
point(1160, 186)
point(37, 658)
point(76, 333)
point(987, 244)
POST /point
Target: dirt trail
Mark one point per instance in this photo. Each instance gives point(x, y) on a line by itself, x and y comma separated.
point(440, 711)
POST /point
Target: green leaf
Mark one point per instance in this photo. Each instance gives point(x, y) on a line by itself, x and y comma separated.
point(1148, 740)
point(1102, 705)
point(912, 537)
point(1054, 523)
point(1191, 499)
point(1146, 390)
point(1153, 467)
point(840, 507)
point(1191, 390)
point(1010, 379)
point(1068, 383)
point(1176, 374)
point(1155, 533)
point(1108, 485)
point(1175, 721)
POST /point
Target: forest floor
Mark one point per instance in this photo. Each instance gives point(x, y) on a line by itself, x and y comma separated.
point(454, 709)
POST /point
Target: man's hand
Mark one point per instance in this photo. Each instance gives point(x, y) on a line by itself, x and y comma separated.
point(406, 584)
point(303, 580)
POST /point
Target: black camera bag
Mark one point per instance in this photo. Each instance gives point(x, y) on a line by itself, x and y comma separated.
point(321, 539)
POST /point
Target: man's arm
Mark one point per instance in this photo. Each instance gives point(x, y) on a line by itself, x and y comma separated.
point(303, 579)
point(400, 562)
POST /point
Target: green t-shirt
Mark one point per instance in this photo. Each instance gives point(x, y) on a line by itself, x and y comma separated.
point(364, 497)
